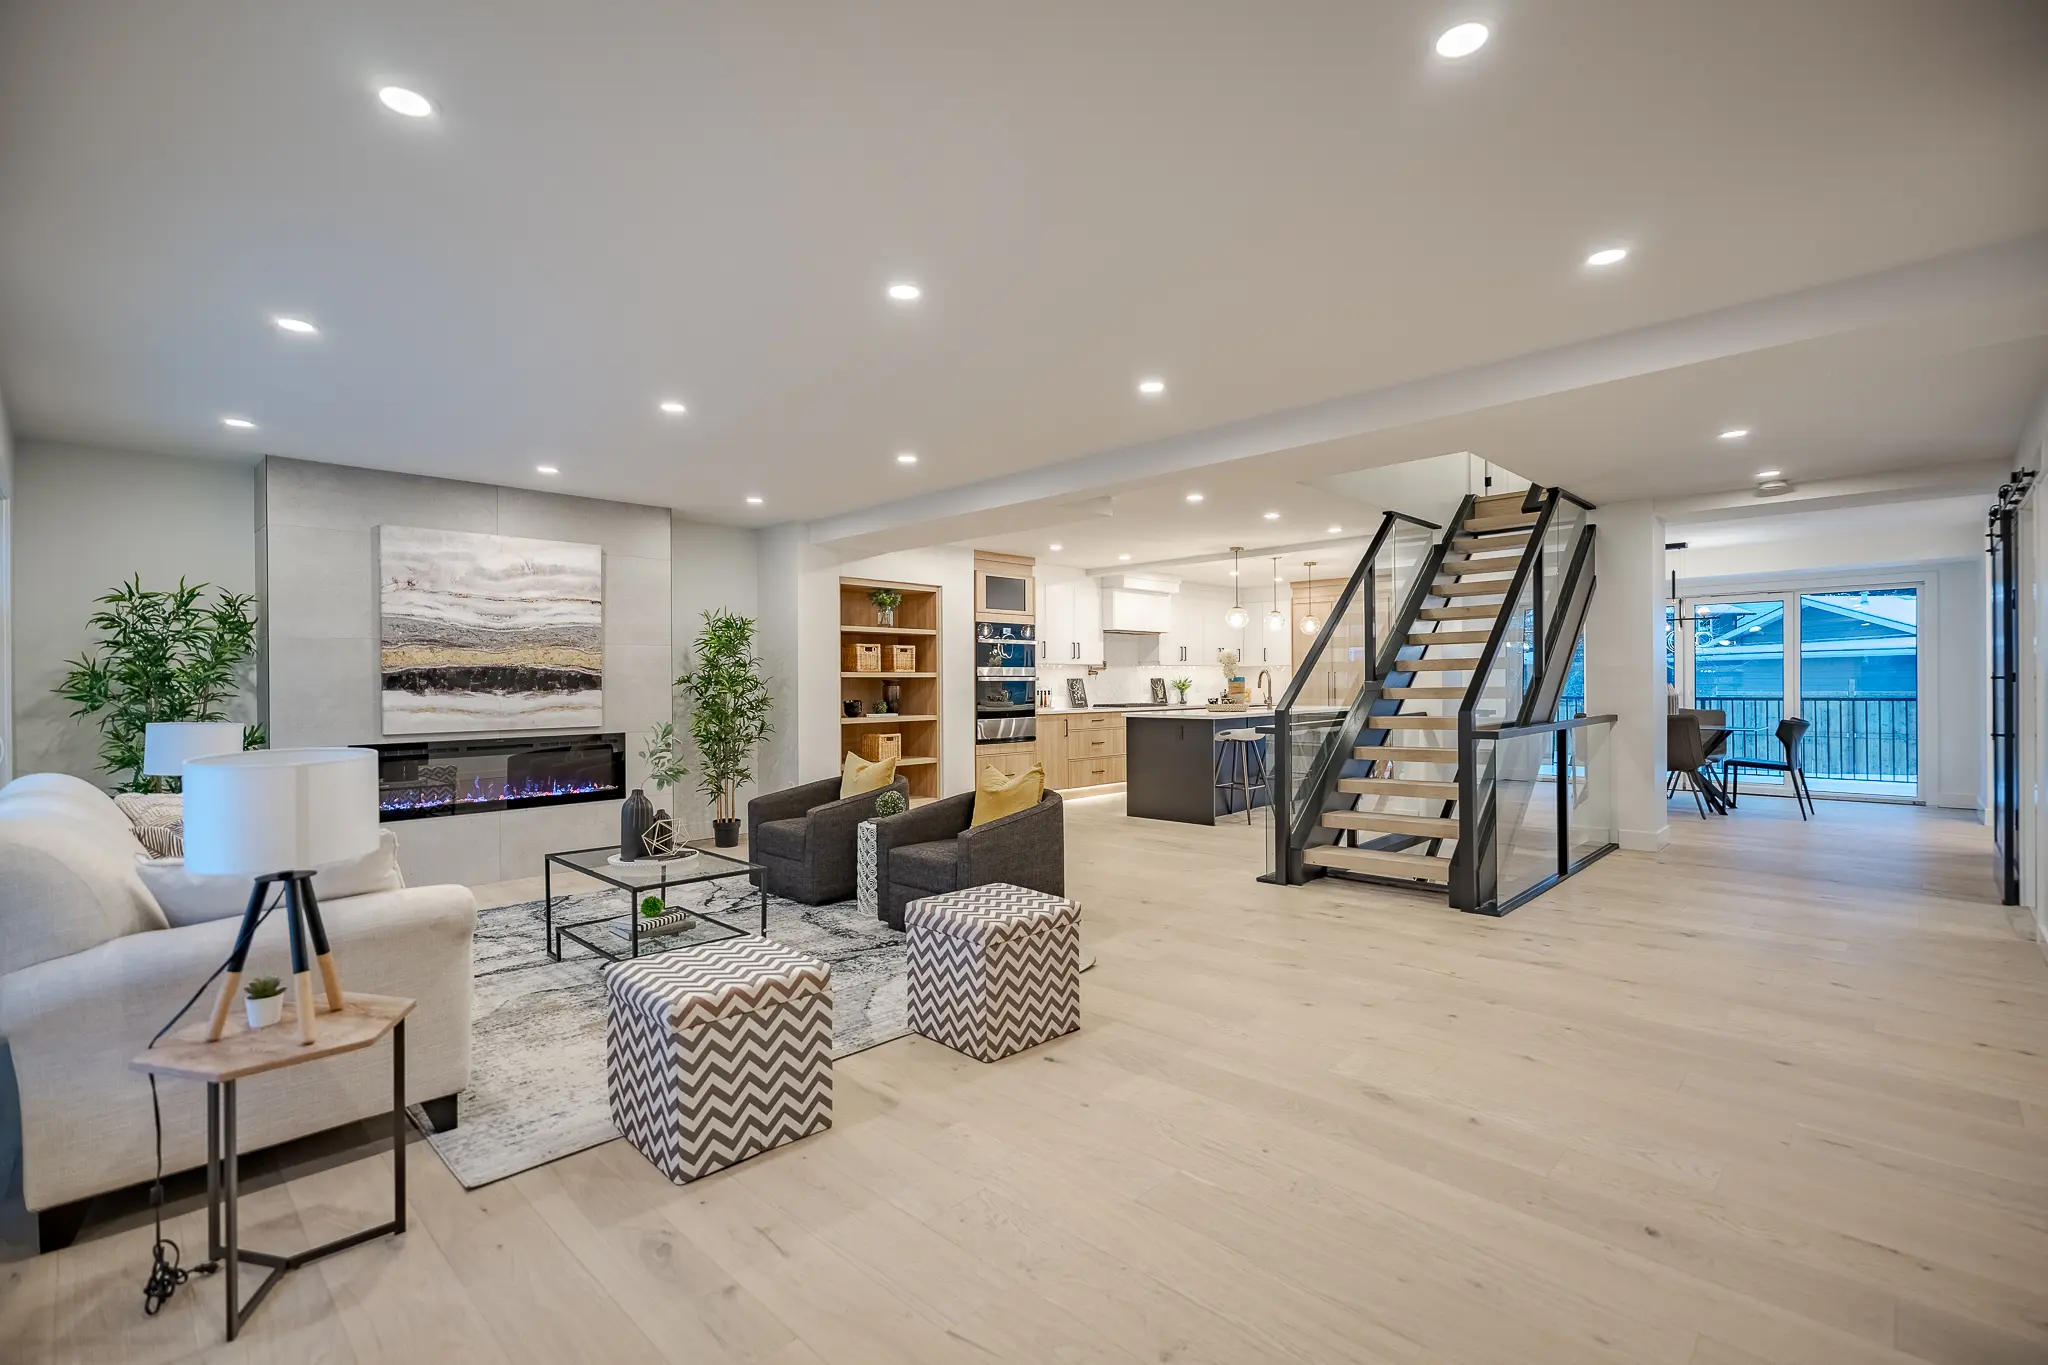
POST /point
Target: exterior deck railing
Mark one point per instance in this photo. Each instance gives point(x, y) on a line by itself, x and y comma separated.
point(1854, 738)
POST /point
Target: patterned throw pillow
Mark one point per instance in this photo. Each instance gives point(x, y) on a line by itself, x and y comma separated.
point(158, 820)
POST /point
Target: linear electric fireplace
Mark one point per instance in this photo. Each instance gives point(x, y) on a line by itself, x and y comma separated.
point(460, 776)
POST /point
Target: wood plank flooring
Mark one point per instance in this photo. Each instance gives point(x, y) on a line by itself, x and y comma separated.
point(1777, 1094)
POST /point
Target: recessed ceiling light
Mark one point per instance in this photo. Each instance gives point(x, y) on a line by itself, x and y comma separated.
point(1734, 433)
point(545, 469)
point(298, 325)
point(238, 423)
point(410, 103)
point(1461, 40)
point(754, 501)
point(1770, 473)
point(1272, 516)
point(1608, 255)
point(1194, 497)
point(906, 458)
point(903, 291)
point(1123, 556)
point(1151, 387)
point(674, 407)
point(1336, 530)
point(1052, 547)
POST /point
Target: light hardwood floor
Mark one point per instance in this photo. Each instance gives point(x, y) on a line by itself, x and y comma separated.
point(1778, 1094)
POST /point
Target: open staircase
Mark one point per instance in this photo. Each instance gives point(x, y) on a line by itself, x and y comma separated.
point(1374, 778)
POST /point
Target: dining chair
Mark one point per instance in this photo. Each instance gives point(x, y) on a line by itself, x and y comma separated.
point(1685, 753)
point(1717, 747)
point(1791, 735)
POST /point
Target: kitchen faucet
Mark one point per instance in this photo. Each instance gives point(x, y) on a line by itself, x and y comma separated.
point(1266, 681)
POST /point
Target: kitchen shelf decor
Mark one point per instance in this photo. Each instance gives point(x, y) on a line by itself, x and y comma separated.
point(905, 646)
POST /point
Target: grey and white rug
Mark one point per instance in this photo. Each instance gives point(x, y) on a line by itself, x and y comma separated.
point(536, 1081)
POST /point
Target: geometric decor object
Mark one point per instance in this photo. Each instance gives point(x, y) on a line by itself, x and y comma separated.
point(994, 969)
point(488, 632)
point(718, 1053)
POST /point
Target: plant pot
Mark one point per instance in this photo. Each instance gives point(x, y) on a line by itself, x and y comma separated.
point(265, 1012)
point(885, 618)
point(726, 833)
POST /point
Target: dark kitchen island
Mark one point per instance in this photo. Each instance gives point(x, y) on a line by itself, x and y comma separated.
point(1171, 764)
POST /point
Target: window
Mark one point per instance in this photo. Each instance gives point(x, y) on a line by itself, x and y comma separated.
point(1859, 685)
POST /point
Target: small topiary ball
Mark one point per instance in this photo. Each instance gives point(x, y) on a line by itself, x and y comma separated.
point(891, 803)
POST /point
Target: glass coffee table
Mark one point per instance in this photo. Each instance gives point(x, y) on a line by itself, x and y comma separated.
point(636, 880)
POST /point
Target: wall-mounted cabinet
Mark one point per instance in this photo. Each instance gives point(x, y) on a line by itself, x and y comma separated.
point(1070, 623)
point(1003, 588)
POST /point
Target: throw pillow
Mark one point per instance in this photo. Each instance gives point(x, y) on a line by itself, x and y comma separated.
point(996, 795)
point(859, 775)
point(193, 898)
point(158, 819)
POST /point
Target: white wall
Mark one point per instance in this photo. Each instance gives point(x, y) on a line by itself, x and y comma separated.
point(6, 599)
point(1625, 666)
point(84, 520)
point(712, 568)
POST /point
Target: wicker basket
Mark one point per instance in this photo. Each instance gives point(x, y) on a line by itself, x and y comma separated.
point(874, 748)
point(903, 658)
point(863, 658)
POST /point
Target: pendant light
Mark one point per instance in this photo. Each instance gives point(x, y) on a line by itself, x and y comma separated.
point(1276, 619)
point(1309, 624)
point(1236, 616)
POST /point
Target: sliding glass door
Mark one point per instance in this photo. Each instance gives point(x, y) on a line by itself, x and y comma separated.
point(1738, 669)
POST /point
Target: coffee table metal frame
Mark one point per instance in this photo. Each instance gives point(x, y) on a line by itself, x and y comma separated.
point(707, 866)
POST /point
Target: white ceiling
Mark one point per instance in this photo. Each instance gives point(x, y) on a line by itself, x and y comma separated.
point(1270, 206)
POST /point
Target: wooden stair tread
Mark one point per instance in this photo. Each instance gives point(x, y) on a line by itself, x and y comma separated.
point(1397, 786)
point(1453, 588)
point(1397, 753)
point(1504, 570)
point(1434, 665)
point(1506, 521)
point(1413, 866)
point(1450, 637)
point(1485, 612)
point(1493, 504)
point(1424, 693)
point(1500, 540)
point(1411, 723)
point(1440, 827)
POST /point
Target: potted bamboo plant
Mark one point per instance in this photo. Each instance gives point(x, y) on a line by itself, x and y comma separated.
point(729, 705)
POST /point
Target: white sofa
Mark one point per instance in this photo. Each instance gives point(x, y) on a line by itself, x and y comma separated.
point(90, 969)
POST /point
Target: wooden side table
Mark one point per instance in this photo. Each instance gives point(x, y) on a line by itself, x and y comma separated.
point(242, 1052)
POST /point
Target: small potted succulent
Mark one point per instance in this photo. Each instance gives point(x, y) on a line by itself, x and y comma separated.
point(1181, 685)
point(886, 601)
point(266, 1001)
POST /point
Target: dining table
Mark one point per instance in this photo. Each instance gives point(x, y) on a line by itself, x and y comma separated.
point(1716, 738)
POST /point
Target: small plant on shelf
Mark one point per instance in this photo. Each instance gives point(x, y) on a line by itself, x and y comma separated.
point(885, 601)
point(890, 803)
point(1181, 685)
point(266, 1001)
point(652, 908)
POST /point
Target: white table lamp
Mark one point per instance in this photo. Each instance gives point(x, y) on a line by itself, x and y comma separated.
point(274, 815)
point(168, 745)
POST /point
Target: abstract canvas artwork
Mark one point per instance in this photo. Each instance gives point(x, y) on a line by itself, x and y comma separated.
point(485, 632)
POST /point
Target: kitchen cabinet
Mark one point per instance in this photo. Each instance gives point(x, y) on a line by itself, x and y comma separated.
point(1011, 760)
point(1085, 749)
point(1088, 648)
point(1003, 588)
point(1070, 623)
point(1273, 646)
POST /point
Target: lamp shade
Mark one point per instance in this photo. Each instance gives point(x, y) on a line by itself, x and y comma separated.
point(279, 810)
point(168, 745)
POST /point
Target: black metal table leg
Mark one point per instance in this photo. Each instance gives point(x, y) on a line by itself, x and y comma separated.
point(231, 1249)
point(398, 1127)
point(552, 944)
point(212, 1172)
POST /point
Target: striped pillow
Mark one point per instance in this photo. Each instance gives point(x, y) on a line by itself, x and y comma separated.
point(158, 820)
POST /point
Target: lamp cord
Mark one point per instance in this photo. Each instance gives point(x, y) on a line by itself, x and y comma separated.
point(165, 1274)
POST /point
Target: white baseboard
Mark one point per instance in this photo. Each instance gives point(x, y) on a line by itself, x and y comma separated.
point(1644, 840)
point(1960, 801)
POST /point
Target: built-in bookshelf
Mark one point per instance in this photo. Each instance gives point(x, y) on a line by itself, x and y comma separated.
point(918, 720)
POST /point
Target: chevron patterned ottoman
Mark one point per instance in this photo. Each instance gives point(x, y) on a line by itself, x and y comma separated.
point(994, 969)
point(718, 1053)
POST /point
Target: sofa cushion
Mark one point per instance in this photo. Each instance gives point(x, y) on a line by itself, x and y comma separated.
point(66, 884)
point(193, 898)
point(62, 796)
point(857, 775)
point(781, 838)
point(997, 794)
point(927, 867)
point(158, 819)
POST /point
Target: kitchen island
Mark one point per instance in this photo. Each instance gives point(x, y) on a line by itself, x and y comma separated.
point(1174, 761)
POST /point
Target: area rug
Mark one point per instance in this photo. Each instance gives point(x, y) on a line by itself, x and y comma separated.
point(536, 1077)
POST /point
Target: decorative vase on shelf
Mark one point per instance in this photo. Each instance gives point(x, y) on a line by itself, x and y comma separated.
point(634, 818)
point(885, 616)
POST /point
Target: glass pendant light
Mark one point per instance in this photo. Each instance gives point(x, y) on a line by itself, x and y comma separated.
point(1309, 624)
point(1276, 619)
point(1236, 616)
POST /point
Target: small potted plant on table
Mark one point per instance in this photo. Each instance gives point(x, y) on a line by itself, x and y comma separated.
point(266, 1001)
point(886, 600)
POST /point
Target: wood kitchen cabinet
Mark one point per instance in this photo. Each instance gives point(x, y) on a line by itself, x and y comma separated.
point(1082, 750)
point(1011, 760)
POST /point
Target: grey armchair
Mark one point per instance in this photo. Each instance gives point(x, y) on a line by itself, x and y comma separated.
point(804, 836)
point(931, 850)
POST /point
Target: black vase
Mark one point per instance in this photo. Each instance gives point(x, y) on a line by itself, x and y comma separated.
point(725, 833)
point(634, 818)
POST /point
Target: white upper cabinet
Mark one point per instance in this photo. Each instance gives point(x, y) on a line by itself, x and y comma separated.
point(1087, 622)
point(1056, 623)
point(1268, 647)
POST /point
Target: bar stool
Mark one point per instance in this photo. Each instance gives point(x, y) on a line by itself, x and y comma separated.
point(1252, 753)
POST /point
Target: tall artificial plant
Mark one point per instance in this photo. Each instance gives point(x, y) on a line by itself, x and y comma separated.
point(161, 655)
point(729, 705)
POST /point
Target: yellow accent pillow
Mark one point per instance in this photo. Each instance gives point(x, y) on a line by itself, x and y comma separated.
point(996, 795)
point(859, 775)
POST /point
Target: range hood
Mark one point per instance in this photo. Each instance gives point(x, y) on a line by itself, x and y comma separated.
point(1137, 604)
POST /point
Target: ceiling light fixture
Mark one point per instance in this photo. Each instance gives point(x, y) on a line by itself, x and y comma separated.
point(1123, 557)
point(906, 458)
point(1237, 615)
point(1151, 388)
point(298, 325)
point(410, 103)
point(1608, 255)
point(238, 423)
point(1734, 433)
point(1336, 530)
point(753, 501)
point(1462, 40)
point(1194, 497)
point(545, 469)
point(1272, 516)
point(1276, 619)
point(1052, 547)
point(1309, 624)
point(1770, 473)
point(674, 407)
point(903, 291)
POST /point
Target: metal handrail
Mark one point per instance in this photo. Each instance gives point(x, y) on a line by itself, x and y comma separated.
point(1531, 557)
point(1343, 603)
point(1540, 727)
